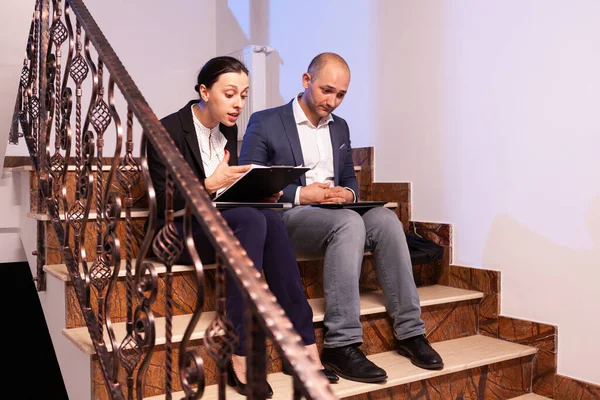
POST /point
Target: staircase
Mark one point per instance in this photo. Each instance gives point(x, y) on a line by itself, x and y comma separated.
point(486, 356)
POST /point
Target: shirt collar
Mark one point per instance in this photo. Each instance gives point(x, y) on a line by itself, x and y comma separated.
point(301, 117)
point(202, 129)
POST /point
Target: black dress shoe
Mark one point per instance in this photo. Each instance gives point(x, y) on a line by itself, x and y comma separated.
point(420, 352)
point(350, 362)
point(240, 387)
point(329, 374)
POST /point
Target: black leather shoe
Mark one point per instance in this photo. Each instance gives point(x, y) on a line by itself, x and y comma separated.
point(420, 352)
point(329, 374)
point(350, 362)
point(240, 387)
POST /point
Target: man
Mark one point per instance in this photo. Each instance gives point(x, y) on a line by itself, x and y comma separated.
point(305, 132)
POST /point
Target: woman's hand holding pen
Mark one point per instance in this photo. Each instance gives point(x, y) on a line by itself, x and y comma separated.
point(224, 175)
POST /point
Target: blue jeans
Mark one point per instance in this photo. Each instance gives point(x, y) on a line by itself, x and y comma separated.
point(341, 237)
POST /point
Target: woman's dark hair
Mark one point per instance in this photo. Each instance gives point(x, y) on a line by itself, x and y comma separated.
point(216, 67)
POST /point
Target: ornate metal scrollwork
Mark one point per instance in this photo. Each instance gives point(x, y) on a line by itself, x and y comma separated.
point(168, 246)
point(191, 365)
point(51, 87)
point(220, 339)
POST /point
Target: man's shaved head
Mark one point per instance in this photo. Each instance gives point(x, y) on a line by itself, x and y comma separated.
point(317, 63)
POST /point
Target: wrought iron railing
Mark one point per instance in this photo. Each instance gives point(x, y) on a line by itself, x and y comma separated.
point(56, 125)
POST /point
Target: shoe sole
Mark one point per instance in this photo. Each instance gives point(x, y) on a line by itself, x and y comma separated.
point(335, 380)
point(434, 367)
point(354, 378)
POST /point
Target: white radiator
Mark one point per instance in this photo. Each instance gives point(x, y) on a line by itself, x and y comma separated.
point(255, 59)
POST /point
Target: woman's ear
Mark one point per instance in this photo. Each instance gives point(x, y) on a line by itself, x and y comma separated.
point(204, 93)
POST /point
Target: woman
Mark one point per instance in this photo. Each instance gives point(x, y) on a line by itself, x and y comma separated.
point(205, 132)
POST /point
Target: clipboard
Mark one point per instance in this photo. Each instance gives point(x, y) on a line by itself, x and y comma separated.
point(260, 182)
point(273, 206)
point(229, 205)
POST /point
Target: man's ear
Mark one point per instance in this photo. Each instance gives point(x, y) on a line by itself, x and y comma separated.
point(306, 78)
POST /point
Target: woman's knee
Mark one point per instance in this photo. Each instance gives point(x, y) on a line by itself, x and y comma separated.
point(245, 218)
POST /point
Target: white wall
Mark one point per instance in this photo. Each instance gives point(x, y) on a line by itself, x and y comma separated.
point(490, 109)
point(15, 19)
point(342, 26)
point(11, 249)
point(162, 46)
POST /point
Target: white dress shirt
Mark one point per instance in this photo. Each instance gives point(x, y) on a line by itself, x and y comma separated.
point(317, 151)
point(212, 145)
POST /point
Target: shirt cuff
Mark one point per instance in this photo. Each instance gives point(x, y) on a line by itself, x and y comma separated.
point(353, 194)
point(297, 196)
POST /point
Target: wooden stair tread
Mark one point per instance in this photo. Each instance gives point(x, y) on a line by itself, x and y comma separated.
point(94, 168)
point(60, 271)
point(458, 354)
point(371, 303)
point(136, 213)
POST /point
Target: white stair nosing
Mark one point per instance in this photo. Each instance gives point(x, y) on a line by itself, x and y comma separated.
point(135, 213)
point(530, 396)
point(70, 168)
point(94, 168)
point(458, 355)
point(371, 303)
point(60, 271)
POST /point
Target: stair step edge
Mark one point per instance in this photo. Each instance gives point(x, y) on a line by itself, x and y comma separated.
point(531, 396)
point(371, 303)
point(135, 213)
point(60, 271)
point(458, 354)
point(72, 168)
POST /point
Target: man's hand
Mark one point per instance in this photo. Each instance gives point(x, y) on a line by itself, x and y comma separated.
point(274, 198)
point(338, 194)
point(313, 193)
point(224, 175)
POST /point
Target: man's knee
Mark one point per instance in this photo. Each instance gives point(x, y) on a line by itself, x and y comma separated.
point(349, 223)
point(382, 218)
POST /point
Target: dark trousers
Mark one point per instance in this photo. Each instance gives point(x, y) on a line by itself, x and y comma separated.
point(262, 234)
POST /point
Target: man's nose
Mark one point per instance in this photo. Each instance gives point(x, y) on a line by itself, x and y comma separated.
point(330, 100)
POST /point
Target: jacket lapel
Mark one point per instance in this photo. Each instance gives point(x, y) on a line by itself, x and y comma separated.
point(335, 144)
point(230, 134)
point(187, 123)
point(289, 124)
